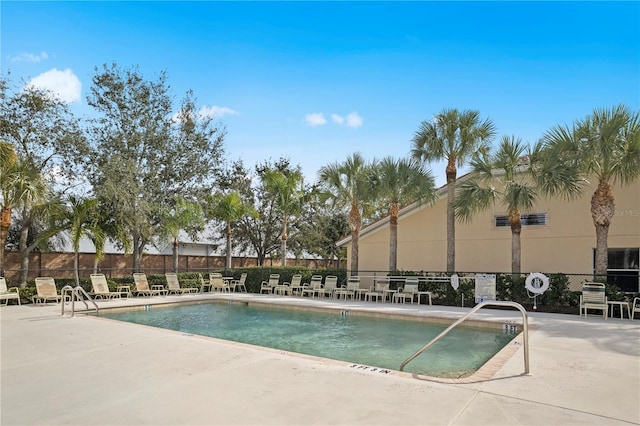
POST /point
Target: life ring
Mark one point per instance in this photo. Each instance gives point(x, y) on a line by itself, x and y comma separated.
point(532, 278)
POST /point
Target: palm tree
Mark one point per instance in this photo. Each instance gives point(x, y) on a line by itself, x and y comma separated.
point(348, 185)
point(512, 177)
point(184, 215)
point(79, 218)
point(400, 182)
point(229, 208)
point(452, 136)
point(9, 169)
point(35, 202)
point(289, 194)
point(604, 145)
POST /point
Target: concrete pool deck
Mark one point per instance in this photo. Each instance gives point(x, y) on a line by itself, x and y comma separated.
point(86, 370)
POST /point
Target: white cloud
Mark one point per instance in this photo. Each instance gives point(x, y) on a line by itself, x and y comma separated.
point(64, 84)
point(29, 57)
point(337, 118)
point(354, 120)
point(315, 119)
point(217, 111)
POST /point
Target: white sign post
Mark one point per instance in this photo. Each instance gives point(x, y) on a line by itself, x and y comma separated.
point(485, 287)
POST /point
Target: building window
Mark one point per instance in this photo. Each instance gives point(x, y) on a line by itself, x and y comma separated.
point(530, 219)
point(623, 268)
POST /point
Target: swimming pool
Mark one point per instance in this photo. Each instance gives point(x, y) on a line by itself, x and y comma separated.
point(362, 340)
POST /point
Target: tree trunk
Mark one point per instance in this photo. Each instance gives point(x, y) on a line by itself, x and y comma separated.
point(24, 255)
point(283, 246)
point(355, 224)
point(137, 252)
point(175, 254)
point(228, 258)
point(451, 220)
point(516, 250)
point(5, 223)
point(393, 237)
point(76, 267)
point(602, 210)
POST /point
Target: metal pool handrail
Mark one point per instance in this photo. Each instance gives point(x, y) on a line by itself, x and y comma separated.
point(76, 293)
point(525, 331)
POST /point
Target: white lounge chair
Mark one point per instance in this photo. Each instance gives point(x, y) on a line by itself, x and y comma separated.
point(239, 285)
point(143, 289)
point(295, 286)
point(330, 286)
point(593, 297)
point(269, 286)
point(46, 291)
point(101, 287)
point(348, 291)
point(408, 292)
point(635, 307)
point(218, 284)
point(314, 287)
point(173, 285)
point(10, 293)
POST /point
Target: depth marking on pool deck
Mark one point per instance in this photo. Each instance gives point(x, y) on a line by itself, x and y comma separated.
point(370, 369)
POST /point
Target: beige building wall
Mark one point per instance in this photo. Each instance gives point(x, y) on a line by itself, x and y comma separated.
point(565, 244)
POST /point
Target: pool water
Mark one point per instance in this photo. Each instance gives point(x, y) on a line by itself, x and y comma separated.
point(371, 341)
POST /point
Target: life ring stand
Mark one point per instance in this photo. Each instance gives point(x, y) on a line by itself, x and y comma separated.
point(537, 276)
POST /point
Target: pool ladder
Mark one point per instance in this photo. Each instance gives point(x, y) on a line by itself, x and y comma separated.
point(525, 331)
point(76, 293)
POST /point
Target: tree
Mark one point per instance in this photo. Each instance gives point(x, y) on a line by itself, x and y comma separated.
point(229, 208)
point(183, 216)
point(49, 150)
point(512, 177)
point(452, 136)
point(9, 197)
point(605, 146)
point(289, 196)
point(144, 155)
point(348, 185)
point(79, 219)
point(319, 229)
point(36, 205)
point(398, 183)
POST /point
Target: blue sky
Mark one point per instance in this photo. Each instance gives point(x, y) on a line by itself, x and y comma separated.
point(317, 81)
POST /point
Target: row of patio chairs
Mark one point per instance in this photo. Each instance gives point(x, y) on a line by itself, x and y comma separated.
point(218, 283)
point(352, 290)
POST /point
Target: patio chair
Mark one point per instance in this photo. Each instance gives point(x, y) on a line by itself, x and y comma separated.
point(100, 287)
point(348, 291)
point(593, 297)
point(314, 287)
point(377, 292)
point(408, 292)
point(10, 293)
point(289, 287)
point(295, 286)
point(142, 286)
point(218, 284)
point(204, 285)
point(173, 285)
point(239, 285)
point(268, 286)
point(635, 307)
point(46, 291)
point(330, 286)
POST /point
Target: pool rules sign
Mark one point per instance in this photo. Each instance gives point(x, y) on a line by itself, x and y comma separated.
point(485, 287)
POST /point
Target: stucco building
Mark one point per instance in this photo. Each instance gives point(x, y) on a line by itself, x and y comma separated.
point(558, 236)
